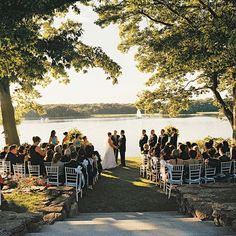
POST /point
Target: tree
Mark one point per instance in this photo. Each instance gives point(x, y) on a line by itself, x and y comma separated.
point(189, 46)
point(33, 51)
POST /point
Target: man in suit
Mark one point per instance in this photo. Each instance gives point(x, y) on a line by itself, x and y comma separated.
point(174, 137)
point(152, 139)
point(122, 147)
point(163, 139)
point(115, 140)
point(143, 140)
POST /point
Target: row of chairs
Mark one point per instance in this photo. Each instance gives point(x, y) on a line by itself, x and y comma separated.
point(73, 176)
point(170, 176)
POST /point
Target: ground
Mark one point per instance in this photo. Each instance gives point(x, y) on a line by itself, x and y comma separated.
point(122, 190)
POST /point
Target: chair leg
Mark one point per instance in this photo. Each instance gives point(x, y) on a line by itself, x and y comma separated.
point(169, 192)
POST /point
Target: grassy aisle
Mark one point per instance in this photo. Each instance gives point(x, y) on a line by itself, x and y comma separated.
point(122, 190)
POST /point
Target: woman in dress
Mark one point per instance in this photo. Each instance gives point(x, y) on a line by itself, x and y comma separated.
point(53, 138)
point(109, 160)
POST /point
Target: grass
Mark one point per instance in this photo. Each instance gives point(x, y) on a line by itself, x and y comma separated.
point(22, 202)
point(122, 190)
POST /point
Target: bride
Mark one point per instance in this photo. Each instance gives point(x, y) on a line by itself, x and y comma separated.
point(109, 160)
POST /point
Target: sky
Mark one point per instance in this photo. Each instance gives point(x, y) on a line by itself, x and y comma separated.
point(93, 87)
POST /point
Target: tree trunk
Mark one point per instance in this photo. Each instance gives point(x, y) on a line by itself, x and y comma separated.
point(234, 114)
point(8, 114)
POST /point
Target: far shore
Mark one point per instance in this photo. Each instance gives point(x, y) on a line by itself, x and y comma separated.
point(213, 114)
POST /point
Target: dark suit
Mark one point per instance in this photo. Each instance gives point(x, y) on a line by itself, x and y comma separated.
point(152, 140)
point(163, 139)
point(142, 141)
point(173, 140)
point(115, 140)
point(122, 148)
point(12, 158)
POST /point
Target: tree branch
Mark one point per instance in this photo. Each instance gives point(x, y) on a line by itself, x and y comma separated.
point(155, 20)
point(207, 6)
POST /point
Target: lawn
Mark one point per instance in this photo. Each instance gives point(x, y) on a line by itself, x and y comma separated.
point(122, 190)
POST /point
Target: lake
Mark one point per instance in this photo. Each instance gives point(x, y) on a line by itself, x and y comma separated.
point(191, 128)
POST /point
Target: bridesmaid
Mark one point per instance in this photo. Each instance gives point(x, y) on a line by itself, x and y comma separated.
point(53, 138)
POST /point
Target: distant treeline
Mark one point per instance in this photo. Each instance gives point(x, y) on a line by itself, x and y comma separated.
point(87, 110)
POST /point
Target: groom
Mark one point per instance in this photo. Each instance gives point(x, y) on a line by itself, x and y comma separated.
point(115, 138)
point(122, 147)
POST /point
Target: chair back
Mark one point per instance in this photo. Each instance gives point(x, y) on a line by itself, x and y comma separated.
point(5, 167)
point(144, 159)
point(19, 170)
point(47, 163)
point(176, 173)
point(226, 167)
point(195, 172)
point(34, 170)
point(71, 177)
point(52, 175)
point(234, 167)
point(210, 172)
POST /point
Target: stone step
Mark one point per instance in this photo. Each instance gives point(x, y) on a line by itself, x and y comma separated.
point(117, 224)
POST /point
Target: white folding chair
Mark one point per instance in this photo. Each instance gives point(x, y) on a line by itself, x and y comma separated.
point(34, 170)
point(47, 163)
point(209, 175)
point(19, 170)
point(53, 175)
point(175, 178)
point(194, 174)
point(163, 176)
point(225, 168)
point(144, 165)
point(234, 169)
point(5, 167)
point(74, 179)
point(155, 170)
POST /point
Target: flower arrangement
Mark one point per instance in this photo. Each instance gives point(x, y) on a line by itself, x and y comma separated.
point(72, 133)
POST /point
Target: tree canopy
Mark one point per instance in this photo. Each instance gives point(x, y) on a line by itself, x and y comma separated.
point(33, 51)
point(189, 46)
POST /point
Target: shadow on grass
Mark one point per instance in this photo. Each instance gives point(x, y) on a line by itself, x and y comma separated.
point(122, 190)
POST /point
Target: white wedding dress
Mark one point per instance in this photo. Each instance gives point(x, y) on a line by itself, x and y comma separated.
point(109, 160)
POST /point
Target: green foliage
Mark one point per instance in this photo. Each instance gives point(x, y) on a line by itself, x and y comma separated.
point(72, 133)
point(187, 46)
point(168, 130)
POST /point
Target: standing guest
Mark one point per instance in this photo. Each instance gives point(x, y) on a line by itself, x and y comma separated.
point(115, 139)
point(86, 142)
point(4, 153)
point(163, 138)
point(174, 137)
point(37, 155)
point(122, 147)
point(143, 140)
point(53, 138)
point(12, 156)
point(66, 138)
point(152, 139)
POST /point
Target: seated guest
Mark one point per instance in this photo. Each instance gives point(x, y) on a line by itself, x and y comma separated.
point(66, 156)
point(227, 148)
point(58, 149)
point(37, 155)
point(199, 155)
point(73, 163)
point(12, 156)
point(21, 154)
point(49, 153)
point(56, 161)
point(192, 160)
point(4, 153)
point(212, 161)
point(218, 147)
point(233, 153)
point(183, 152)
point(64, 147)
point(223, 157)
point(166, 152)
point(175, 160)
point(189, 145)
point(205, 154)
point(145, 149)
